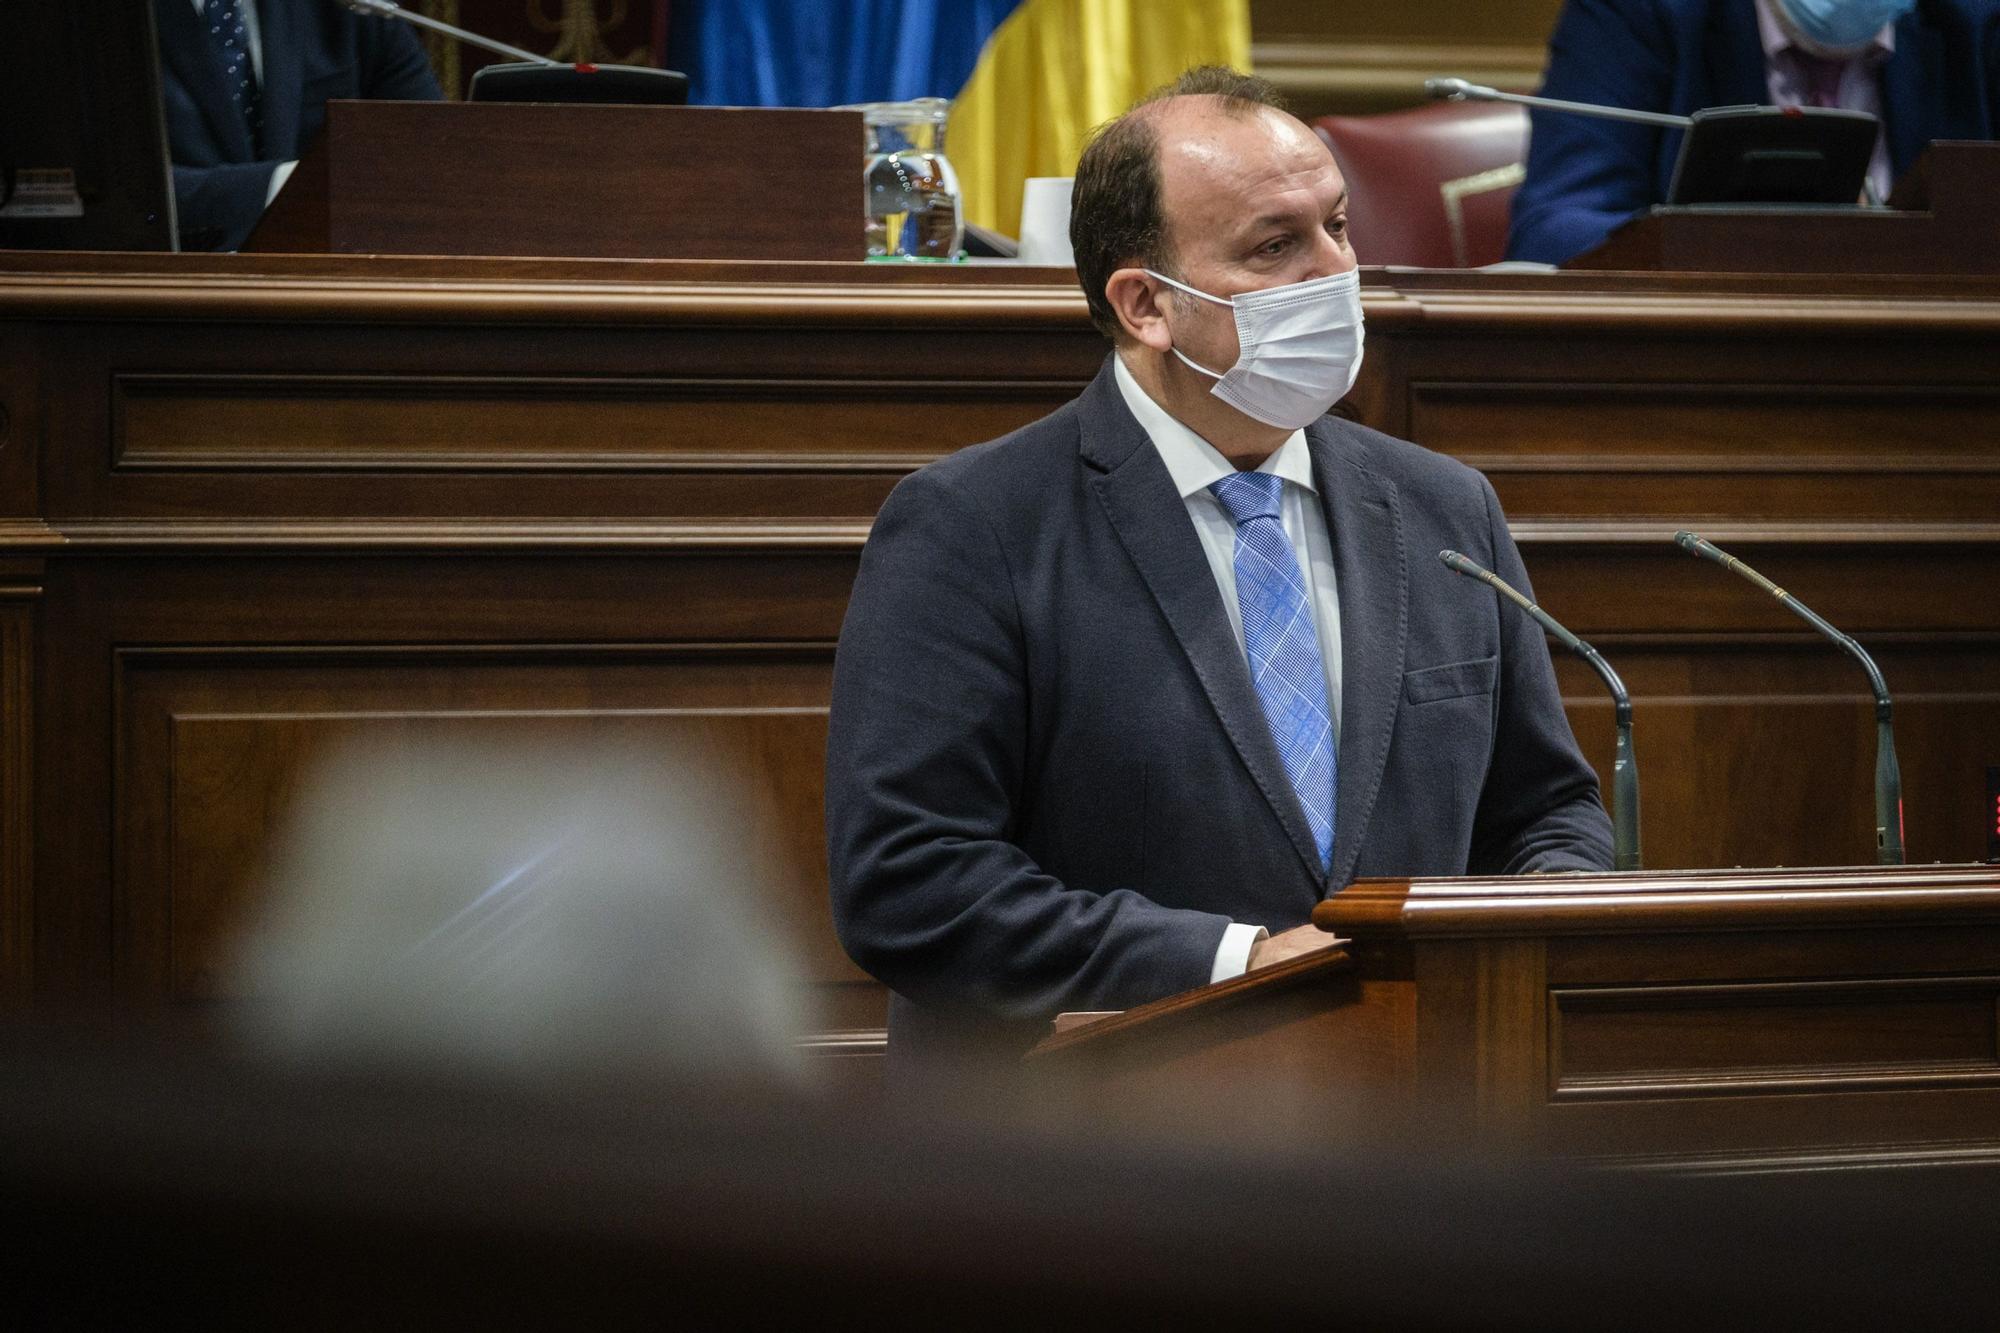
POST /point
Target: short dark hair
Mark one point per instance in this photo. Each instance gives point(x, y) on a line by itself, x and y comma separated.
point(1116, 218)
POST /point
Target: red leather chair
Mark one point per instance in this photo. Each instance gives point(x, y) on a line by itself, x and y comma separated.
point(1430, 187)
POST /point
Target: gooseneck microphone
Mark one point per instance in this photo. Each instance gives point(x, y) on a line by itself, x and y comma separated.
point(1625, 768)
point(1888, 777)
point(1802, 135)
point(388, 9)
point(1458, 90)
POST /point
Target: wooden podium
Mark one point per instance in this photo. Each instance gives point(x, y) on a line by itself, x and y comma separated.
point(1940, 220)
point(586, 182)
point(1729, 1020)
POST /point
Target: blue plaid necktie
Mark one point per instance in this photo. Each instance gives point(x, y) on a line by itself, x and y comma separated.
point(1285, 660)
point(232, 47)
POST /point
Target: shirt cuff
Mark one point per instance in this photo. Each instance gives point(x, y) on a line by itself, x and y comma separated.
point(1232, 956)
point(279, 175)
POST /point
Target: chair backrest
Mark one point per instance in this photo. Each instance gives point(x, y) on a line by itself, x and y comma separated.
point(1430, 187)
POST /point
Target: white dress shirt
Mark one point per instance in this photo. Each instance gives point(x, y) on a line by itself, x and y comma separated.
point(255, 36)
point(1194, 465)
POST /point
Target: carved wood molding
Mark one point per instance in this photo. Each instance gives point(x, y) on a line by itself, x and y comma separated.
point(28, 535)
point(1162, 1015)
point(453, 536)
point(780, 537)
point(1382, 72)
point(1957, 1153)
point(1557, 301)
point(1673, 1061)
point(790, 306)
point(1639, 903)
point(1830, 535)
point(1558, 307)
point(213, 422)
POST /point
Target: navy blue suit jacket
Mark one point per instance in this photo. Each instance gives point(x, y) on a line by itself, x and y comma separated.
point(314, 52)
point(1586, 177)
point(1050, 784)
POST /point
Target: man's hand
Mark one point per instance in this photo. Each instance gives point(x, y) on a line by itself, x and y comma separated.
point(1287, 945)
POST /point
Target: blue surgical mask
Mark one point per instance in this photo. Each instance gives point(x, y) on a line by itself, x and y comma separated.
point(1843, 25)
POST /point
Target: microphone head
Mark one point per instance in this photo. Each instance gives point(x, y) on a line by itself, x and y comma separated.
point(371, 8)
point(1688, 542)
point(1452, 561)
point(1448, 89)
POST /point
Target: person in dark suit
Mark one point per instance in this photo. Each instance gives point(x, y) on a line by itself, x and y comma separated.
point(244, 85)
point(1930, 69)
point(1121, 696)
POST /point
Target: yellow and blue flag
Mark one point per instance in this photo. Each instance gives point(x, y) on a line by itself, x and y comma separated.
point(1028, 79)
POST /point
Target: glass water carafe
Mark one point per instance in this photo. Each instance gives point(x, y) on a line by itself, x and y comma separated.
point(910, 190)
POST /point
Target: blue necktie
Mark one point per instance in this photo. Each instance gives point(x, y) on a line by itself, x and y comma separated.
point(232, 48)
point(1285, 660)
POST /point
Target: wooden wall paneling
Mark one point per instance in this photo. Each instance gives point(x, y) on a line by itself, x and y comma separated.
point(1767, 1019)
point(230, 672)
point(1756, 740)
point(284, 421)
point(75, 802)
point(20, 595)
point(290, 496)
point(1635, 1041)
point(1898, 1027)
point(1679, 451)
point(21, 393)
point(526, 423)
point(1770, 760)
point(1610, 416)
point(1348, 59)
point(218, 747)
point(513, 178)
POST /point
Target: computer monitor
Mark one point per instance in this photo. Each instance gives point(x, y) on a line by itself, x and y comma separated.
point(603, 84)
point(83, 142)
point(1774, 155)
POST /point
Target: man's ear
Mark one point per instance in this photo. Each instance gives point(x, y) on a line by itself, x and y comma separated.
point(1140, 305)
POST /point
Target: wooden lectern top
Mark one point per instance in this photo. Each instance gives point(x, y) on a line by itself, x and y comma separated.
point(1740, 1020)
point(1654, 901)
point(1941, 221)
point(574, 181)
point(1195, 1005)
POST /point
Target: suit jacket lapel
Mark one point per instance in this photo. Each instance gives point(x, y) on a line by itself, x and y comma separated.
point(281, 82)
point(1146, 511)
point(1911, 79)
point(186, 51)
point(1371, 571)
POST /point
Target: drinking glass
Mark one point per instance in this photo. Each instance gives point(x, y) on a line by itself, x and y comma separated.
point(910, 189)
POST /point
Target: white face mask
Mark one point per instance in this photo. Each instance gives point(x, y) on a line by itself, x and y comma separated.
point(1298, 348)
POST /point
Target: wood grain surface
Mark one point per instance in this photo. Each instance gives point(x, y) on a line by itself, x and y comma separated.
point(236, 488)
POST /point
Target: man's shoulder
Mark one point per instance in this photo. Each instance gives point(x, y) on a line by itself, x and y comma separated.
point(1028, 460)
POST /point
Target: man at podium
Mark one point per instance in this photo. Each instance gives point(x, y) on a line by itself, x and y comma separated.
point(245, 83)
point(1122, 695)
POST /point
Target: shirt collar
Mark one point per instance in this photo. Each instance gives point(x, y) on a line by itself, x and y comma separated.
point(1777, 41)
point(1192, 461)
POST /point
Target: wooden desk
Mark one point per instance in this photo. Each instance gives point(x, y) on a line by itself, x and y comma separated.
point(254, 503)
point(1721, 1020)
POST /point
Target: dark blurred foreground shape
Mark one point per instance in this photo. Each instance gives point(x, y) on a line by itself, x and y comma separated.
point(150, 1186)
